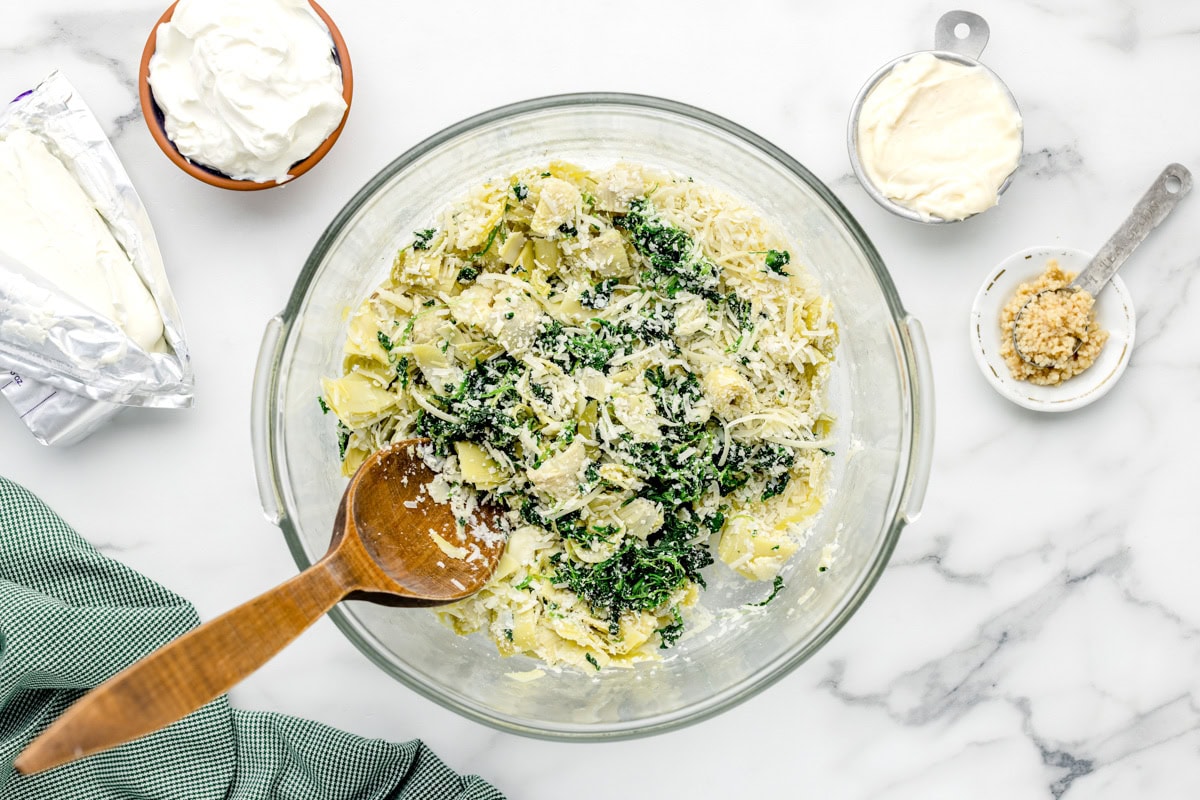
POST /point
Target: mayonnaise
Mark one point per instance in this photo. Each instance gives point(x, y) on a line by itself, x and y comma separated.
point(247, 87)
point(48, 224)
point(939, 137)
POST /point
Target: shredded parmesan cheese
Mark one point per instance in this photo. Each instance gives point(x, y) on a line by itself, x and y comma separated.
point(634, 365)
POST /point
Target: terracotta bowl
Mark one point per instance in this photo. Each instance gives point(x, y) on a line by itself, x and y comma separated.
point(154, 115)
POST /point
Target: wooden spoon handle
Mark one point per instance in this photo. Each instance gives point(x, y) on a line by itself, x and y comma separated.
point(180, 677)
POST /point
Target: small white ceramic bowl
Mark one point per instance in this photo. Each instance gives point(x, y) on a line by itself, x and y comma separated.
point(1114, 313)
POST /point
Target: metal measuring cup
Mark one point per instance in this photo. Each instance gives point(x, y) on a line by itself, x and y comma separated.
point(949, 47)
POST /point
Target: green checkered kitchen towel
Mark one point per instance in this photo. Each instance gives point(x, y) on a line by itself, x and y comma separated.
point(70, 618)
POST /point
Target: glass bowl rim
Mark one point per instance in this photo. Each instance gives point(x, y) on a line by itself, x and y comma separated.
point(770, 672)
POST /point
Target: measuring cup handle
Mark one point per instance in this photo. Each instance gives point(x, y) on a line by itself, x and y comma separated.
point(971, 45)
point(1163, 195)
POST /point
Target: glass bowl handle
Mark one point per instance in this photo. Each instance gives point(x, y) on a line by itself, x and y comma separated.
point(260, 421)
point(921, 455)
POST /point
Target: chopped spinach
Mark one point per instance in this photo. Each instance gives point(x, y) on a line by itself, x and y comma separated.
point(488, 244)
point(674, 395)
point(530, 515)
point(670, 633)
point(605, 532)
point(484, 401)
point(777, 260)
point(640, 576)
point(402, 371)
point(520, 191)
point(656, 325)
point(676, 263)
point(744, 462)
point(573, 350)
point(572, 527)
point(421, 242)
point(775, 485)
point(599, 296)
point(740, 310)
point(674, 472)
point(776, 588)
point(591, 350)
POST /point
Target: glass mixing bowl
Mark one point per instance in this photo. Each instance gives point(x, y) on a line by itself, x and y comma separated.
point(881, 392)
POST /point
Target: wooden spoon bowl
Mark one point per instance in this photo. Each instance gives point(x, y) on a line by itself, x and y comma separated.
point(390, 493)
point(392, 543)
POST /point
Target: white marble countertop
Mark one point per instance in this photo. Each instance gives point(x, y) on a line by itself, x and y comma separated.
point(1038, 631)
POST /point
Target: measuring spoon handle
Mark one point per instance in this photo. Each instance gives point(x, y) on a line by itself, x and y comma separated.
point(180, 677)
point(1159, 200)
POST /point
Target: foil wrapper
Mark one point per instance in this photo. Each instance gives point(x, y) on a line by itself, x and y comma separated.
point(63, 367)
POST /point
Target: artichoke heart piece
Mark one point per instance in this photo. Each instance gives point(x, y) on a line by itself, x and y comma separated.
point(637, 413)
point(428, 355)
point(363, 339)
point(730, 393)
point(525, 629)
point(512, 248)
point(588, 419)
point(355, 456)
point(618, 186)
point(355, 398)
point(754, 551)
point(439, 370)
point(558, 205)
point(545, 254)
point(473, 307)
point(421, 269)
point(571, 172)
point(641, 517)
point(525, 261)
point(477, 467)
point(607, 257)
point(559, 477)
point(518, 552)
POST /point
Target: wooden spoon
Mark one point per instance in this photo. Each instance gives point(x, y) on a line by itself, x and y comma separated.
point(383, 550)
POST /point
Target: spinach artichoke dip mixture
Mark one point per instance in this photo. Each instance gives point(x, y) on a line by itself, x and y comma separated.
point(633, 365)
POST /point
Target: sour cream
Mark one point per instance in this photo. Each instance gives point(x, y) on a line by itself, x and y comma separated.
point(247, 87)
point(939, 137)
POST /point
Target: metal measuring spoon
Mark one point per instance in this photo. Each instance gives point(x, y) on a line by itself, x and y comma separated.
point(1159, 200)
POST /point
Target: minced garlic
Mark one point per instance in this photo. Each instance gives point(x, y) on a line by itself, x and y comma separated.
point(1056, 330)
